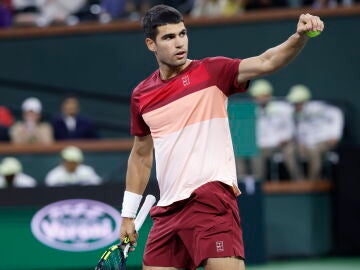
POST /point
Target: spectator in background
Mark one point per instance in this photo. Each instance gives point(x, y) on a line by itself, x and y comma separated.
point(5, 13)
point(59, 11)
point(214, 8)
point(45, 12)
point(6, 120)
point(70, 124)
point(114, 8)
point(319, 128)
point(71, 171)
point(263, 4)
point(274, 132)
point(26, 12)
point(184, 6)
point(31, 130)
point(319, 4)
point(11, 175)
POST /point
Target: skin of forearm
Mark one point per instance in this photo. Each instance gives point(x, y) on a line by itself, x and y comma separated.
point(138, 173)
point(281, 55)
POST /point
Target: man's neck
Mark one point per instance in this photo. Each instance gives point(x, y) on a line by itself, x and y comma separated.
point(167, 72)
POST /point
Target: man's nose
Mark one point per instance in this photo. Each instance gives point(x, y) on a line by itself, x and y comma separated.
point(179, 42)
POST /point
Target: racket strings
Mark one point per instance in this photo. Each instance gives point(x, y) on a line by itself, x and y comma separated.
point(115, 261)
point(114, 257)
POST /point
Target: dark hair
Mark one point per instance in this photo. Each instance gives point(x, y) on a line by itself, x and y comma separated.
point(157, 16)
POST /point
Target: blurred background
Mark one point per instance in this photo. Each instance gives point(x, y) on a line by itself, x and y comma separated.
point(67, 70)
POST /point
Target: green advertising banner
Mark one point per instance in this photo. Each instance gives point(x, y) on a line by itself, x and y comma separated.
point(21, 250)
point(71, 233)
point(70, 227)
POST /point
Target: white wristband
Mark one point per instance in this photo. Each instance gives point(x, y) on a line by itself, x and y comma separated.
point(130, 204)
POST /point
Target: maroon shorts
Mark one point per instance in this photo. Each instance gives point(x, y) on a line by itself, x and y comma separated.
point(206, 225)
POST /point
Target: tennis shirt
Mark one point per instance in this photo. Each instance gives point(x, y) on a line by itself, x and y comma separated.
point(187, 118)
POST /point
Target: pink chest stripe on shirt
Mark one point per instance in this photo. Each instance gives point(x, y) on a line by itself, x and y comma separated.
point(204, 105)
point(183, 84)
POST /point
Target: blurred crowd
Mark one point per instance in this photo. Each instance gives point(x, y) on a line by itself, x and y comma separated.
point(68, 124)
point(293, 131)
point(32, 129)
point(70, 171)
point(71, 12)
point(297, 131)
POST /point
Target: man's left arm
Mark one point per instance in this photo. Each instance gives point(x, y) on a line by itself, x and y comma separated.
point(277, 57)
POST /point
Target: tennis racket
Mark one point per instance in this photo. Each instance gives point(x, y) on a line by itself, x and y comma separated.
point(115, 257)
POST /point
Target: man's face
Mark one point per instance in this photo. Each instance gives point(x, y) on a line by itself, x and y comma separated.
point(262, 100)
point(70, 166)
point(170, 45)
point(31, 116)
point(70, 107)
point(299, 106)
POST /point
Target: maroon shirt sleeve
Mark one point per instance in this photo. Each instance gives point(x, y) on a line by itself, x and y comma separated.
point(138, 127)
point(224, 72)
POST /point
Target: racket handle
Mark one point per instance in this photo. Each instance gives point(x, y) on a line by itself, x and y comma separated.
point(140, 218)
point(144, 211)
point(126, 250)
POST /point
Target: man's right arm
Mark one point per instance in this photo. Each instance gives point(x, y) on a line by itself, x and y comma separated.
point(137, 176)
point(139, 164)
point(277, 57)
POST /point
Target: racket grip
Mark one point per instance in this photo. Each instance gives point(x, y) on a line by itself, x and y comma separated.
point(139, 220)
point(126, 250)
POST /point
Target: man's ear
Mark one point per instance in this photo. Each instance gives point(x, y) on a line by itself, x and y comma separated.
point(150, 44)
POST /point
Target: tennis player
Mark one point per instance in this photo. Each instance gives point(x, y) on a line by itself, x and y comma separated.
point(180, 112)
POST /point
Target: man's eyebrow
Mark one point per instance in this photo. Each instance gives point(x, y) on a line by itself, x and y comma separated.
point(170, 35)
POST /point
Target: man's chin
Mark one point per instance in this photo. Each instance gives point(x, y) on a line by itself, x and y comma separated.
point(180, 63)
point(176, 63)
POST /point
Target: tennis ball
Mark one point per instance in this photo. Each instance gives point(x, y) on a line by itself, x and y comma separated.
point(313, 33)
